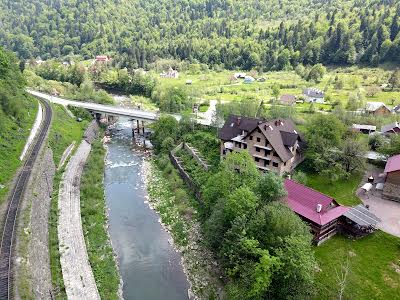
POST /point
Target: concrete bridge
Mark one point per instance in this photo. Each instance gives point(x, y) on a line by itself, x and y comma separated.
point(136, 114)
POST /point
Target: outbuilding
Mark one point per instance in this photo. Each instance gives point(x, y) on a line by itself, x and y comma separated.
point(319, 211)
point(366, 129)
point(377, 109)
point(391, 190)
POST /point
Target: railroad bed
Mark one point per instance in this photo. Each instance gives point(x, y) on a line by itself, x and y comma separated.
point(10, 223)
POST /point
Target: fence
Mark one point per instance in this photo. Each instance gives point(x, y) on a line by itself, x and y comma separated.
point(184, 175)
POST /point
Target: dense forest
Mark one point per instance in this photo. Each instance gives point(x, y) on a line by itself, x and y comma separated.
point(268, 35)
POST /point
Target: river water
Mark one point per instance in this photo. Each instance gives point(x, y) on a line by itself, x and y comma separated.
point(149, 266)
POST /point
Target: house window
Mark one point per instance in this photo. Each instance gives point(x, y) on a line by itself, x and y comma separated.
point(251, 138)
point(275, 164)
point(258, 149)
point(258, 139)
point(267, 152)
point(258, 130)
point(266, 143)
point(284, 163)
point(266, 163)
point(256, 159)
point(245, 146)
point(240, 145)
point(275, 154)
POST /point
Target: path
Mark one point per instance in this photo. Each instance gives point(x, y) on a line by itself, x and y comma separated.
point(39, 192)
point(34, 131)
point(388, 211)
point(77, 272)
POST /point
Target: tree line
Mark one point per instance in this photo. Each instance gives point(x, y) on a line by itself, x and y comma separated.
point(268, 35)
point(264, 248)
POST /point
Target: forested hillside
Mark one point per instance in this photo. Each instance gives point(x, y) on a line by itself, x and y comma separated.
point(17, 113)
point(273, 34)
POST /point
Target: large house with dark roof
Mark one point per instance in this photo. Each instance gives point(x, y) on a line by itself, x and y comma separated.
point(275, 145)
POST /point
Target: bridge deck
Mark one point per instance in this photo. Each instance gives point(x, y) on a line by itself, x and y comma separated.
point(108, 109)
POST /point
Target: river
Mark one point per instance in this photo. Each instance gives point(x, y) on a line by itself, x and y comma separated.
point(148, 264)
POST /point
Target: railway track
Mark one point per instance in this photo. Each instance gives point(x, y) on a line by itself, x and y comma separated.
point(8, 234)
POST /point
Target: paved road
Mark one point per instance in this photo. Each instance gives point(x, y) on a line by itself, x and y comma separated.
point(112, 110)
point(388, 211)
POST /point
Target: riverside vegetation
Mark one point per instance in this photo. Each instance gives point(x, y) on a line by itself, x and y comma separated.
point(252, 236)
point(94, 220)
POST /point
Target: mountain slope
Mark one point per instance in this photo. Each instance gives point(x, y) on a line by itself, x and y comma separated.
point(17, 114)
point(232, 33)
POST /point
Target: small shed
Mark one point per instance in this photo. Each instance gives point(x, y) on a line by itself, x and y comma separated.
point(248, 79)
point(289, 100)
point(377, 108)
point(314, 95)
point(359, 221)
point(365, 129)
point(391, 128)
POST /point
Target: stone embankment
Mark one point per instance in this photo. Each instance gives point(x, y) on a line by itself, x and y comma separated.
point(77, 273)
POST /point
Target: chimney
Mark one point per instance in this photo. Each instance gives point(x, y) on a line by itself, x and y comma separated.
point(319, 208)
point(238, 121)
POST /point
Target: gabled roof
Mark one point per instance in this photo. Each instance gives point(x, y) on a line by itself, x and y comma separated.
point(280, 133)
point(287, 99)
point(393, 164)
point(234, 126)
point(391, 127)
point(313, 92)
point(363, 127)
point(304, 200)
point(289, 138)
point(373, 106)
point(272, 130)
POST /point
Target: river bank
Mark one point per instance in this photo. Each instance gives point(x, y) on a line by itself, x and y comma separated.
point(179, 217)
point(94, 223)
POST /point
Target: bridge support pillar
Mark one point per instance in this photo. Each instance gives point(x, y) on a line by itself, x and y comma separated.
point(133, 128)
point(143, 128)
point(138, 126)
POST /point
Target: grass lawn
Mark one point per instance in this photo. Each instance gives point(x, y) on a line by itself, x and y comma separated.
point(64, 130)
point(373, 261)
point(342, 190)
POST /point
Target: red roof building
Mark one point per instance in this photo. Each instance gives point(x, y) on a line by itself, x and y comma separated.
point(102, 58)
point(391, 189)
point(320, 211)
